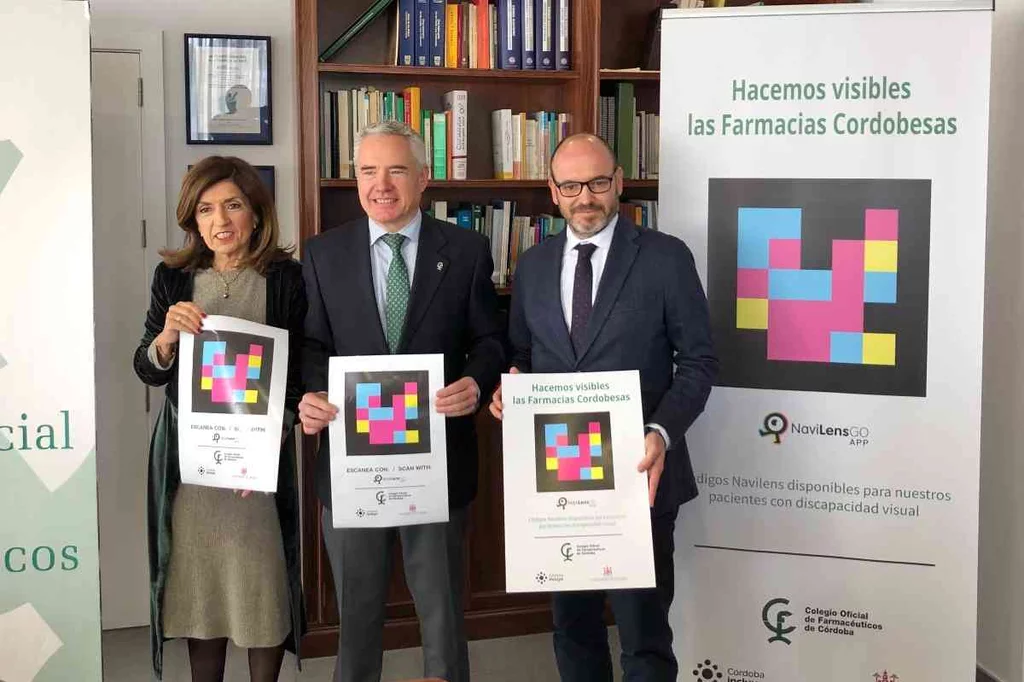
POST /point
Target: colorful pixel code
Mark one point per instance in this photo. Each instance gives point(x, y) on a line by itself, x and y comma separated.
point(573, 452)
point(816, 315)
point(820, 285)
point(233, 373)
point(387, 413)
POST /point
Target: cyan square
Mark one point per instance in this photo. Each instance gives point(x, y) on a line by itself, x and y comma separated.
point(238, 396)
point(412, 413)
point(568, 451)
point(253, 373)
point(224, 372)
point(399, 437)
point(755, 226)
point(585, 474)
point(595, 450)
point(212, 348)
point(879, 287)
point(363, 393)
point(800, 285)
point(553, 431)
point(847, 348)
point(382, 414)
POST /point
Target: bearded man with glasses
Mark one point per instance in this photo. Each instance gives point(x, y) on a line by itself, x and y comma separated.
point(630, 300)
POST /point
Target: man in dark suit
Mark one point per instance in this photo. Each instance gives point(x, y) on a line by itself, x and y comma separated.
point(630, 299)
point(398, 281)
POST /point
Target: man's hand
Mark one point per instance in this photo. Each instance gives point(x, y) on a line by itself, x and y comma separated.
point(498, 407)
point(315, 412)
point(653, 463)
point(458, 399)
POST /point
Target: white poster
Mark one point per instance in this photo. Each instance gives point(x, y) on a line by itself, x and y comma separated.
point(389, 455)
point(49, 556)
point(829, 173)
point(231, 388)
point(576, 508)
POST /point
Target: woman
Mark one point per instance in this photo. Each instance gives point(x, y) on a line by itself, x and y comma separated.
point(230, 569)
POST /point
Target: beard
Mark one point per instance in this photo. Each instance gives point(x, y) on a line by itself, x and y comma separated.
point(588, 224)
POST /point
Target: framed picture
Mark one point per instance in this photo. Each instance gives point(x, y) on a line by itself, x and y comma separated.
point(227, 89)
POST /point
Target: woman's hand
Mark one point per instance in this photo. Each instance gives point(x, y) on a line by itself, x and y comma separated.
point(181, 317)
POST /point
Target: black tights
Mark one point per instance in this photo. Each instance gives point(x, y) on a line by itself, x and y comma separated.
point(207, 658)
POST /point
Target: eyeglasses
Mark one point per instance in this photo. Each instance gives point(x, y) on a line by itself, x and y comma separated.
point(573, 188)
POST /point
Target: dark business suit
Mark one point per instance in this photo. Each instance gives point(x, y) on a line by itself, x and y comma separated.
point(650, 313)
point(452, 310)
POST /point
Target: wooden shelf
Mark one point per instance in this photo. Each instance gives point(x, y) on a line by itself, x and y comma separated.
point(453, 184)
point(618, 75)
point(418, 73)
point(639, 184)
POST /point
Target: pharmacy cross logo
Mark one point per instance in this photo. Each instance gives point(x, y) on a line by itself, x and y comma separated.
point(777, 626)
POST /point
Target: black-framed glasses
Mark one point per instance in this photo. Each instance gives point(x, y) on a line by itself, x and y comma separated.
point(573, 188)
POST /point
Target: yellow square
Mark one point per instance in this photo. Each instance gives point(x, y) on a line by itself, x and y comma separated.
point(595, 439)
point(880, 256)
point(206, 383)
point(251, 396)
point(410, 400)
point(255, 360)
point(412, 436)
point(596, 473)
point(879, 349)
point(752, 313)
point(362, 426)
point(552, 463)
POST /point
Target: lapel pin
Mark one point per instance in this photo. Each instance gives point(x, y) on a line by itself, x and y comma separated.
point(440, 266)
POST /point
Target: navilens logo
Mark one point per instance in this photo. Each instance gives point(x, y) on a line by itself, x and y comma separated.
point(776, 425)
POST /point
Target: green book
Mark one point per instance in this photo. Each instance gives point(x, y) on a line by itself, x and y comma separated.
point(399, 107)
point(625, 108)
point(389, 106)
point(375, 10)
point(427, 126)
point(440, 147)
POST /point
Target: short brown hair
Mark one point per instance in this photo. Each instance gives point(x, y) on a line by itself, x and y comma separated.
point(263, 247)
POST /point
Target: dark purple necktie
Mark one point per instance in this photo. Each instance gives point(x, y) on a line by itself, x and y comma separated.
point(582, 294)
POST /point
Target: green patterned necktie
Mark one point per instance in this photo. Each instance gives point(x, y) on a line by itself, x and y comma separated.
point(396, 294)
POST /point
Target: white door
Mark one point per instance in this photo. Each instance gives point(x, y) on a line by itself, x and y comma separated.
point(121, 294)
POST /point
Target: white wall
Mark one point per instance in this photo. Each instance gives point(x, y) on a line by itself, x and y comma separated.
point(1001, 569)
point(252, 17)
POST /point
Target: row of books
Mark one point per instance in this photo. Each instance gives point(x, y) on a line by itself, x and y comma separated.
point(523, 143)
point(510, 235)
point(343, 113)
point(484, 34)
point(634, 135)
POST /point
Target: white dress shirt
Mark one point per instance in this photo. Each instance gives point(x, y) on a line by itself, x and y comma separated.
point(603, 241)
point(381, 255)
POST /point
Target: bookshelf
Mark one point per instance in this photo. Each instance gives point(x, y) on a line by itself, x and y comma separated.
point(607, 37)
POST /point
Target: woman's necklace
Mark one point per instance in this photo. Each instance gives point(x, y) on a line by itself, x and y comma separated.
point(228, 282)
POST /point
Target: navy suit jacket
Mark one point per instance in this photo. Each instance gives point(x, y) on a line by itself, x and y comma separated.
point(650, 313)
point(453, 309)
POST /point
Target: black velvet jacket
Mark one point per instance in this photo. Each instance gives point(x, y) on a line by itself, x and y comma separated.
point(286, 309)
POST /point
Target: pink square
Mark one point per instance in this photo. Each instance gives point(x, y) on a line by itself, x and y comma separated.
point(569, 469)
point(374, 401)
point(751, 283)
point(221, 392)
point(381, 433)
point(552, 451)
point(410, 388)
point(363, 414)
point(561, 439)
point(784, 254)
point(255, 349)
point(594, 427)
point(218, 360)
point(583, 441)
point(207, 371)
point(398, 409)
point(881, 224)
